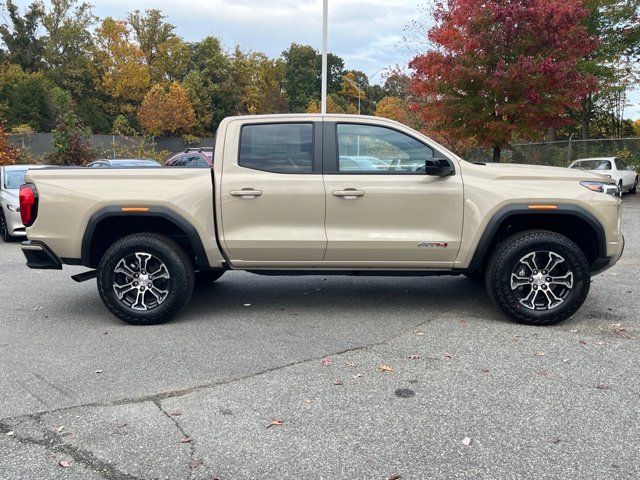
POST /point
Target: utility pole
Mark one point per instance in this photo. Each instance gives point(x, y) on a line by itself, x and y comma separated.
point(325, 31)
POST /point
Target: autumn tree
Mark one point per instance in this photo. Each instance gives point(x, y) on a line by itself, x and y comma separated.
point(394, 108)
point(8, 153)
point(166, 112)
point(124, 75)
point(501, 70)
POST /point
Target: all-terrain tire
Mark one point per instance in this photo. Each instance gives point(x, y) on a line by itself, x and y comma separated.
point(508, 256)
point(179, 283)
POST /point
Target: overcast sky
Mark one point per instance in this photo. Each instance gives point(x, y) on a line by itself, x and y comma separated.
point(366, 33)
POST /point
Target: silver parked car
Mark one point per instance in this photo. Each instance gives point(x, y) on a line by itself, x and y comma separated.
point(11, 177)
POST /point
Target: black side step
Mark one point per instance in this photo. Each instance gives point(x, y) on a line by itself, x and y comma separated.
point(84, 276)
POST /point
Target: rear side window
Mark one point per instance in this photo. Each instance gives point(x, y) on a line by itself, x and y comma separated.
point(277, 148)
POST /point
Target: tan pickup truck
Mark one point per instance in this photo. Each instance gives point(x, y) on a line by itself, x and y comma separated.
point(312, 194)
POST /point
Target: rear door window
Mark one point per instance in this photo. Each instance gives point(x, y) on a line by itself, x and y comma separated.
point(277, 148)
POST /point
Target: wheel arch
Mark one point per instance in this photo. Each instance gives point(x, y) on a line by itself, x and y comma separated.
point(110, 224)
point(571, 221)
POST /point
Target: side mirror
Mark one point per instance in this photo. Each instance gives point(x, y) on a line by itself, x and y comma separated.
point(438, 167)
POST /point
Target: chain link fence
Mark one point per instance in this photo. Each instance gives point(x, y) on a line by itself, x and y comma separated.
point(112, 146)
point(562, 153)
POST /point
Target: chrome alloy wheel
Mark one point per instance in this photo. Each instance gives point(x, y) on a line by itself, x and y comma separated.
point(542, 280)
point(141, 281)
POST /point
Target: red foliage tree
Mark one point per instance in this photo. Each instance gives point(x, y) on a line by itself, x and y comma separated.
point(8, 153)
point(502, 68)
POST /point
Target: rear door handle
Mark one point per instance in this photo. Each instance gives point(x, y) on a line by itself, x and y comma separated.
point(348, 193)
point(246, 193)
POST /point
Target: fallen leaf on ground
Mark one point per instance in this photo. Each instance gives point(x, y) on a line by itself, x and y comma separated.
point(185, 440)
point(448, 355)
point(386, 368)
point(602, 386)
point(485, 370)
point(195, 464)
point(356, 375)
point(466, 441)
point(308, 401)
point(394, 477)
point(414, 357)
point(276, 422)
point(326, 361)
point(337, 382)
point(542, 373)
point(556, 439)
point(582, 342)
point(175, 413)
point(64, 463)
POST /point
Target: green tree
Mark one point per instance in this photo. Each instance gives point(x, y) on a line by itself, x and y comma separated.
point(24, 46)
point(198, 92)
point(26, 98)
point(617, 26)
point(67, 46)
point(301, 73)
point(171, 62)
point(151, 31)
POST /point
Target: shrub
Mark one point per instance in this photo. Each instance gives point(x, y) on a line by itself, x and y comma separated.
point(71, 142)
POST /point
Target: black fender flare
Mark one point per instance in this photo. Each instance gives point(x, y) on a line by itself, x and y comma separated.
point(520, 209)
point(202, 261)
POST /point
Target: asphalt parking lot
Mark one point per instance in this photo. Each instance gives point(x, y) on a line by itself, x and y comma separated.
point(319, 377)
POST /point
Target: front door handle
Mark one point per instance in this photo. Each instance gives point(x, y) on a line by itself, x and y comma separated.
point(348, 193)
point(246, 193)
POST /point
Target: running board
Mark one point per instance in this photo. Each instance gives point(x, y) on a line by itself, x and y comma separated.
point(83, 277)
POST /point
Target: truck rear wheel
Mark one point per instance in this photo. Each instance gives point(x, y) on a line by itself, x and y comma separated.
point(538, 277)
point(145, 279)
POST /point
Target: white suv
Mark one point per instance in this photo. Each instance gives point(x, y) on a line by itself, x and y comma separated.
point(624, 176)
point(11, 177)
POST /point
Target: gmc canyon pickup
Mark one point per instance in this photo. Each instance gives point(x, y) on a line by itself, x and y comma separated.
point(312, 194)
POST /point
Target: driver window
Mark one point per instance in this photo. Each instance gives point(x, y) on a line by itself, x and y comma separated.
point(372, 149)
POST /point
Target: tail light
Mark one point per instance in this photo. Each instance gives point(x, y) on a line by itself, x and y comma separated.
point(28, 204)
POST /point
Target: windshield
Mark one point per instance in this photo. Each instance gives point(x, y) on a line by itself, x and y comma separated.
point(592, 165)
point(13, 179)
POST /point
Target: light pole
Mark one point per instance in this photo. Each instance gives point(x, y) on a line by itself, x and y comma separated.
point(358, 87)
point(325, 32)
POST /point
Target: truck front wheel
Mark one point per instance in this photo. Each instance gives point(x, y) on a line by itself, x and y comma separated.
point(145, 279)
point(538, 277)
